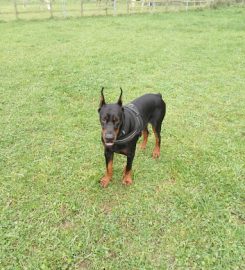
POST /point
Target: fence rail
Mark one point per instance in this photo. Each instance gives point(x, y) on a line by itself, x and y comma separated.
point(40, 9)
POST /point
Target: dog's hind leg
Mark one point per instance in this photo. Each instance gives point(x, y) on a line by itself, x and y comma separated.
point(145, 134)
point(156, 150)
point(156, 126)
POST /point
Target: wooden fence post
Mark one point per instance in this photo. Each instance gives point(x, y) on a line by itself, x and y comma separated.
point(106, 8)
point(81, 8)
point(115, 7)
point(51, 9)
point(187, 5)
point(16, 10)
point(64, 8)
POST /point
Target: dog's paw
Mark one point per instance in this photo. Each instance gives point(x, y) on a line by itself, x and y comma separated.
point(104, 182)
point(156, 153)
point(142, 146)
point(127, 180)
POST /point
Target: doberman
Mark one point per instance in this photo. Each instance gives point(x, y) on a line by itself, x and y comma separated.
point(123, 125)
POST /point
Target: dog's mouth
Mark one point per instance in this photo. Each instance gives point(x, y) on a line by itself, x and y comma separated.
point(109, 143)
point(109, 138)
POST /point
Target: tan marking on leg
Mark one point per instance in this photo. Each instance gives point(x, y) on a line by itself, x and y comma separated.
point(127, 178)
point(108, 175)
point(156, 151)
point(145, 138)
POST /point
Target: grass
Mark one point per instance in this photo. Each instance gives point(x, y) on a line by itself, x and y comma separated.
point(183, 211)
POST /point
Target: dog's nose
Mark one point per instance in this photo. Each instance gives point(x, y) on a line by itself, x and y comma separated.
point(109, 136)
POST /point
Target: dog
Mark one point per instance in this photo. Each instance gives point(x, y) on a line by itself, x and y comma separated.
point(123, 125)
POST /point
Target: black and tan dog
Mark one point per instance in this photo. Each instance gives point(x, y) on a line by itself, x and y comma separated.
point(123, 125)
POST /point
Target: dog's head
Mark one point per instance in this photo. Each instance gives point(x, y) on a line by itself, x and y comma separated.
point(111, 117)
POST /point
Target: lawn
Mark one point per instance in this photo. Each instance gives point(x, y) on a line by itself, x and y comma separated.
point(183, 211)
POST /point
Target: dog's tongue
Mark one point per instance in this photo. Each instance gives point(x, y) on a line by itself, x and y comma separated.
point(109, 144)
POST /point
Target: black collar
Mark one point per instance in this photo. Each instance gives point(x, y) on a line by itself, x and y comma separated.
point(138, 125)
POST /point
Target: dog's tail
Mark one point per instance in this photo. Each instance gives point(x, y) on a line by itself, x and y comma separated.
point(163, 102)
point(160, 95)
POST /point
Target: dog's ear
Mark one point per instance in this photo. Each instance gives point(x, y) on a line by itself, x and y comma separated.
point(119, 102)
point(102, 99)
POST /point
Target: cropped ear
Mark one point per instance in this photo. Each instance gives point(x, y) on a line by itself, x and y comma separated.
point(102, 99)
point(119, 102)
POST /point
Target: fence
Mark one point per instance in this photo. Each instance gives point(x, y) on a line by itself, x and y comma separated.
point(40, 9)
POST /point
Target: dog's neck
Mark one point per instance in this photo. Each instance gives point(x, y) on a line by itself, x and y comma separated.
point(126, 126)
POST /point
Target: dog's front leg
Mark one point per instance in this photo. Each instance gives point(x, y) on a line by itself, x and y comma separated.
point(127, 174)
point(109, 168)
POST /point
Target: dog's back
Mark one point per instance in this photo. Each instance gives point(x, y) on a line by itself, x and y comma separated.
point(150, 106)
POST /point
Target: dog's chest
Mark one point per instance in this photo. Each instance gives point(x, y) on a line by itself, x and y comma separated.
point(122, 149)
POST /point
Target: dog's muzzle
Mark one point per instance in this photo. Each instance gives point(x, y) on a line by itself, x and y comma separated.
point(109, 139)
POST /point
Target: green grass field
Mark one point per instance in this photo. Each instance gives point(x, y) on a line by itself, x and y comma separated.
point(183, 211)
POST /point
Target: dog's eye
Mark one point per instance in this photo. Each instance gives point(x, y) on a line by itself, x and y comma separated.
point(103, 120)
point(115, 121)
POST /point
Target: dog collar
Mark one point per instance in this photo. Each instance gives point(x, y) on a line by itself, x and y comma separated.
point(138, 124)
